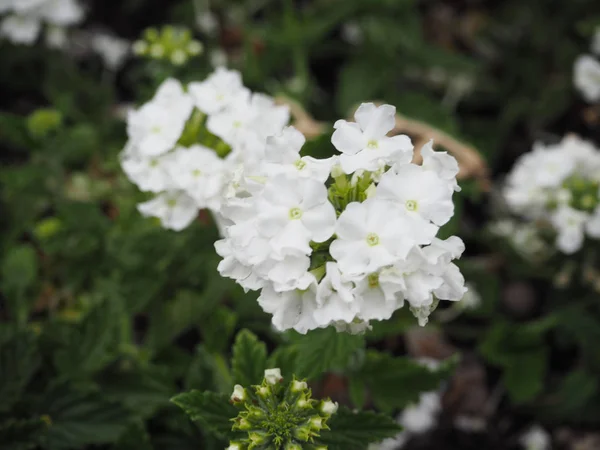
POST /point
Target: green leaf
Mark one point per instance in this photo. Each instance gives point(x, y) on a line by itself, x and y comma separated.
point(18, 274)
point(91, 345)
point(212, 410)
point(355, 431)
point(22, 434)
point(19, 360)
point(524, 376)
point(82, 418)
point(325, 349)
point(395, 382)
point(249, 359)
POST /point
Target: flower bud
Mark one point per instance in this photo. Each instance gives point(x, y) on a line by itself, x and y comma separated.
point(239, 394)
point(328, 407)
point(298, 386)
point(263, 391)
point(316, 423)
point(273, 376)
point(293, 447)
point(303, 433)
point(258, 437)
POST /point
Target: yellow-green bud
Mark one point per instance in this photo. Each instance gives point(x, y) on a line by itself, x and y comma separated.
point(43, 121)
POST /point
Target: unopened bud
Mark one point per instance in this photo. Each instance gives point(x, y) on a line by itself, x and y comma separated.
point(273, 376)
point(298, 386)
point(328, 407)
point(239, 394)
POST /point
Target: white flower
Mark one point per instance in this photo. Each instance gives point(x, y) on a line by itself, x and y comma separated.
point(218, 91)
point(536, 438)
point(372, 234)
point(587, 77)
point(442, 163)
point(273, 376)
point(176, 210)
point(198, 171)
point(420, 192)
point(282, 156)
point(421, 417)
point(377, 299)
point(364, 144)
point(20, 29)
point(61, 12)
point(335, 298)
point(570, 225)
point(154, 129)
point(113, 50)
point(292, 309)
point(293, 212)
point(149, 173)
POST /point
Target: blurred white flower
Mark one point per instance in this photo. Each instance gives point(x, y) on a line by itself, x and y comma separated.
point(536, 438)
point(113, 50)
point(587, 77)
point(175, 209)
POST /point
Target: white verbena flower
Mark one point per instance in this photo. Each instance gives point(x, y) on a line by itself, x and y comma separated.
point(587, 77)
point(175, 209)
point(536, 438)
point(365, 144)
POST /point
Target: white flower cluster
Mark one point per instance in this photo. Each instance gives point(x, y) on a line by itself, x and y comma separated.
point(349, 239)
point(559, 184)
point(190, 146)
point(586, 77)
point(26, 17)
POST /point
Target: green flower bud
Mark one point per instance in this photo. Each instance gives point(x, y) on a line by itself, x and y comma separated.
point(284, 417)
point(43, 121)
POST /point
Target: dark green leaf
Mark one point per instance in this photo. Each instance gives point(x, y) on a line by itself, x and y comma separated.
point(19, 359)
point(213, 411)
point(325, 349)
point(355, 431)
point(249, 359)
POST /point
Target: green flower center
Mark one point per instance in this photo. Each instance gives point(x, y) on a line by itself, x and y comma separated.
point(153, 162)
point(237, 124)
point(372, 239)
point(295, 213)
point(411, 205)
point(155, 129)
point(373, 144)
point(373, 280)
point(300, 164)
point(196, 173)
point(171, 203)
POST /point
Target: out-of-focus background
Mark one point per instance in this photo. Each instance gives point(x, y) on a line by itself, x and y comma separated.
point(104, 315)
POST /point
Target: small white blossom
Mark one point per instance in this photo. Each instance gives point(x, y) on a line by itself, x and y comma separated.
point(536, 438)
point(364, 144)
point(218, 91)
point(113, 50)
point(587, 77)
point(176, 210)
point(239, 393)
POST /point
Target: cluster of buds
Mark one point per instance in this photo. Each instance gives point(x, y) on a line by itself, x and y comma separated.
point(173, 44)
point(280, 416)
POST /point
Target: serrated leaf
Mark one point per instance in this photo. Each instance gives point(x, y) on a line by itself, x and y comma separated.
point(212, 410)
point(79, 419)
point(355, 431)
point(325, 349)
point(90, 345)
point(249, 359)
point(395, 382)
point(19, 360)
